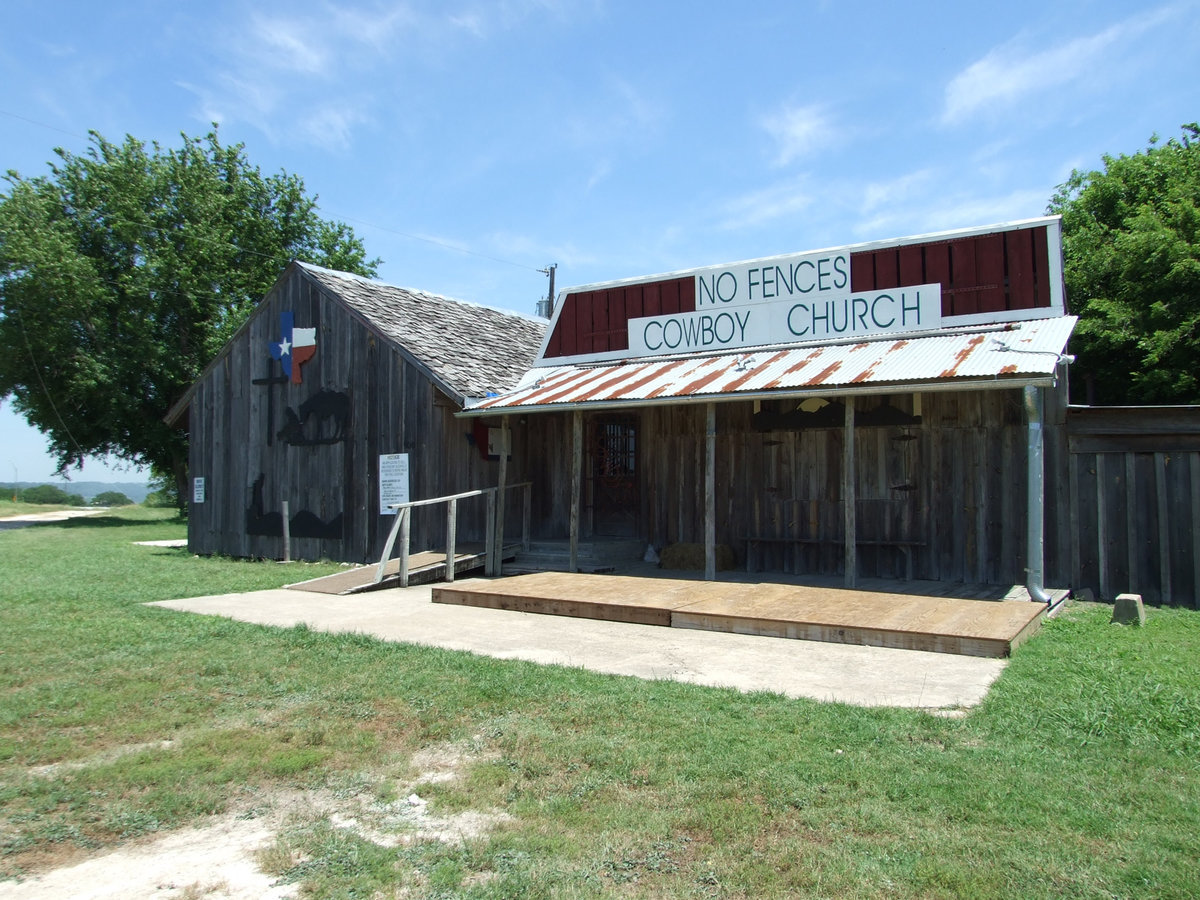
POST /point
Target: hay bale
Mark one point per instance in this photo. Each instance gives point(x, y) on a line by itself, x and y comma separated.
point(691, 557)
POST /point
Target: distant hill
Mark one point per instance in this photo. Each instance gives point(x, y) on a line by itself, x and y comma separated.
point(135, 491)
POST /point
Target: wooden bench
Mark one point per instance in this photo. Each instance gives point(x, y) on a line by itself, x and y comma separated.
point(904, 547)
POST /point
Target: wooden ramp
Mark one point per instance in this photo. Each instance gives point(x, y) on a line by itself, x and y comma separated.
point(912, 622)
point(423, 567)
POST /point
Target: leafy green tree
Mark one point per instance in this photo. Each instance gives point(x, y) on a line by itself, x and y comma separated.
point(47, 494)
point(111, 498)
point(164, 493)
point(1131, 248)
point(123, 272)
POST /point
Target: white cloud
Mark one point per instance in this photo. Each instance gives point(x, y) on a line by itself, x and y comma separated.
point(897, 190)
point(798, 131)
point(767, 205)
point(619, 114)
point(1008, 73)
point(960, 211)
point(331, 125)
point(284, 71)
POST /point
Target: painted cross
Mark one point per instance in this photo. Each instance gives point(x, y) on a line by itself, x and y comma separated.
point(295, 347)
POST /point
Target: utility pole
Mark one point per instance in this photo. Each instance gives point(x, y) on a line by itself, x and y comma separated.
point(546, 307)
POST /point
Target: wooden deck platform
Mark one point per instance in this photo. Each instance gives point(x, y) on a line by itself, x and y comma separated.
point(992, 628)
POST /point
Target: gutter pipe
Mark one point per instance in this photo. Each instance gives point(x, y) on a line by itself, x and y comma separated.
point(1036, 499)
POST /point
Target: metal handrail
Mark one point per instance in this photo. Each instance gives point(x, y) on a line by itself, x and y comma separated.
point(401, 529)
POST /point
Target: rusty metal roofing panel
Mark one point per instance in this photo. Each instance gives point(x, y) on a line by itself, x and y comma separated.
point(1017, 350)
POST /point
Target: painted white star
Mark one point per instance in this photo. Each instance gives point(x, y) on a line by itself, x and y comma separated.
point(285, 347)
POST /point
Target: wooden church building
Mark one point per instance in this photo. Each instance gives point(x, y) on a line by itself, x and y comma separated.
point(338, 394)
point(891, 409)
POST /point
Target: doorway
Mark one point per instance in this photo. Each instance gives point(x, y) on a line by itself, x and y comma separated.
point(613, 476)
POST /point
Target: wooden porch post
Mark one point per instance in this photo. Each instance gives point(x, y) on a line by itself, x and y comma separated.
point(576, 471)
point(501, 479)
point(710, 492)
point(849, 511)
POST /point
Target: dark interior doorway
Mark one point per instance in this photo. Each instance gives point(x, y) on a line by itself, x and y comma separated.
point(614, 481)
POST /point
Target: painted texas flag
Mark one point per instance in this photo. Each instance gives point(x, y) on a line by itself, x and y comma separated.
point(296, 346)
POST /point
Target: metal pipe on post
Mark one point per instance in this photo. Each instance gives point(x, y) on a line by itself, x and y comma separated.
point(1035, 498)
point(849, 498)
point(405, 532)
point(287, 534)
point(710, 492)
point(451, 535)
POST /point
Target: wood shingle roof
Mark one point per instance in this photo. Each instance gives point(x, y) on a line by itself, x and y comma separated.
point(474, 350)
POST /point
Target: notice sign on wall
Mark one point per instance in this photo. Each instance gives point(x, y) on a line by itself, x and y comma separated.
point(393, 481)
point(198, 489)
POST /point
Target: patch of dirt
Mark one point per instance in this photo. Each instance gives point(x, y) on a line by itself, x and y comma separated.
point(213, 861)
point(219, 859)
point(53, 770)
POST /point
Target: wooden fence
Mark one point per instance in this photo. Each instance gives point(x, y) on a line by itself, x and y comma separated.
point(1135, 501)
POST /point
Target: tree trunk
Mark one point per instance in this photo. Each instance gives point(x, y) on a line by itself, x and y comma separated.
point(179, 470)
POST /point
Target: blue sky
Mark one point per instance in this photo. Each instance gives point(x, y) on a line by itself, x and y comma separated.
point(470, 144)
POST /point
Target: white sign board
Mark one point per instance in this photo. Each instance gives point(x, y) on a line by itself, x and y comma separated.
point(494, 439)
point(393, 481)
point(821, 317)
point(198, 489)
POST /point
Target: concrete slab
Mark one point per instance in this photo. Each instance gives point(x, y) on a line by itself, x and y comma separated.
point(864, 676)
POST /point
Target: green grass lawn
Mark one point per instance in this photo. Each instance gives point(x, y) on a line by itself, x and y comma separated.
point(1079, 777)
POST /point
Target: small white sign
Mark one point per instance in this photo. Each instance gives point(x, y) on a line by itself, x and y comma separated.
point(494, 439)
point(393, 481)
point(198, 489)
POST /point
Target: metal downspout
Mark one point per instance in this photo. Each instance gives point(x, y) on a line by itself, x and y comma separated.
point(1036, 498)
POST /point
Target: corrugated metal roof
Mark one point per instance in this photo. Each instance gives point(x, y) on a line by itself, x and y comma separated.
point(1014, 352)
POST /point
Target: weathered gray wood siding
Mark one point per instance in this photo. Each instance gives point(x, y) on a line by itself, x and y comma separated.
point(1135, 502)
point(391, 406)
point(954, 485)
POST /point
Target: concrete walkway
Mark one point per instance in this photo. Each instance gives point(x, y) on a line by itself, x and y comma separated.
point(864, 676)
point(24, 520)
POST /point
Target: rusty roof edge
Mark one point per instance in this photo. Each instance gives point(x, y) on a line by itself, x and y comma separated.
point(592, 361)
point(892, 387)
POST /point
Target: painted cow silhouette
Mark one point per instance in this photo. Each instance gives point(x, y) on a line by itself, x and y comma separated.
point(323, 418)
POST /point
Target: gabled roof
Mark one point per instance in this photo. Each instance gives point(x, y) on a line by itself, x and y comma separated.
point(470, 351)
point(473, 350)
point(998, 356)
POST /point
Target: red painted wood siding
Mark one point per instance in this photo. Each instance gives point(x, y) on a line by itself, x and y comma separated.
point(596, 321)
point(984, 273)
point(1007, 270)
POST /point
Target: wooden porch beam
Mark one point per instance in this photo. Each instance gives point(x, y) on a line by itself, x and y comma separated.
point(501, 485)
point(576, 486)
point(849, 504)
point(710, 492)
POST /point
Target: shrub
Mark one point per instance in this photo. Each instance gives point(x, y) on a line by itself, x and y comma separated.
point(111, 498)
